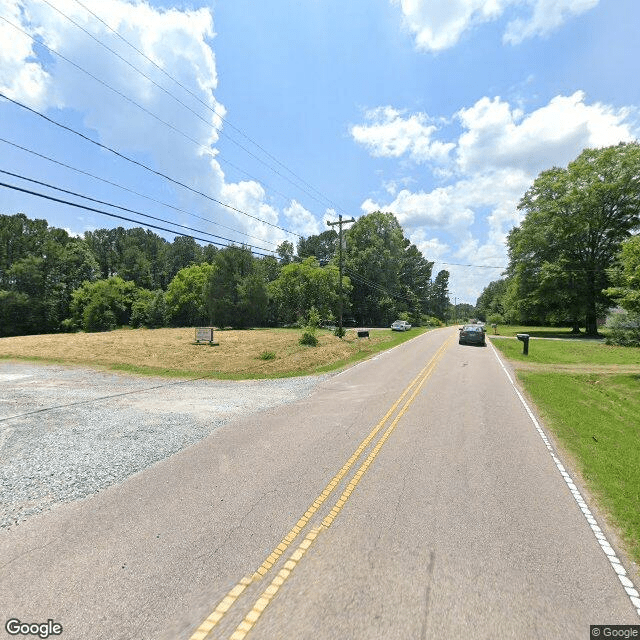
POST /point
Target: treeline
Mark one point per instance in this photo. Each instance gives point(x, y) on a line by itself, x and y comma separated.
point(576, 255)
point(51, 281)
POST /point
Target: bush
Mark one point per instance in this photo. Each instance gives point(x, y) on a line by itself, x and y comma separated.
point(309, 337)
point(309, 334)
point(624, 329)
point(430, 321)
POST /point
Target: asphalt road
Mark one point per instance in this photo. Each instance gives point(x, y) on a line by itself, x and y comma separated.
point(410, 496)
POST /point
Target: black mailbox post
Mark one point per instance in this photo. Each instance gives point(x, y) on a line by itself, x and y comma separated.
point(524, 338)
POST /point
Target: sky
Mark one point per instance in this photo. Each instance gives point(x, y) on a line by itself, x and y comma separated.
point(258, 122)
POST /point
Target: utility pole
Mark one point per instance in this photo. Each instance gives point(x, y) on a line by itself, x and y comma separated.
point(340, 222)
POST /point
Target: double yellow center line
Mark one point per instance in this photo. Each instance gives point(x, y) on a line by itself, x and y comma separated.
point(261, 604)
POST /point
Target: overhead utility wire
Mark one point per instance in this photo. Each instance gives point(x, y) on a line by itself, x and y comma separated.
point(144, 166)
point(210, 108)
point(115, 206)
point(127, 62)
point(374, 286)
point(115, 215)
point(137, 193)
point(479, 266)
point(144, 109)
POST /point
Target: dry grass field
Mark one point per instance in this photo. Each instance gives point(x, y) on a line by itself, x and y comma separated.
point(173, 351)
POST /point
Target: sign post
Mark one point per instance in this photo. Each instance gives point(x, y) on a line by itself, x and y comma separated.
point(205, 334)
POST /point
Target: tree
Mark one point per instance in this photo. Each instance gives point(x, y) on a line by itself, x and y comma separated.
point(625, 275)
point(373, 259)
point(322, 247)
point(186, 304)
point(40, 266)
point(103, 305)
point(490, 305)
point(575, 220)
point(285, 252)
point(235, 291)
point(183, 252)
point(439, 298)
point(303, 285)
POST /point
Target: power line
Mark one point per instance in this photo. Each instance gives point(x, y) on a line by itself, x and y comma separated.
point(478, 266)
point(139, 106)
point(115, 215)
point(144, 166)
point(163, 89)
point(376, 287)
point(137, 193)
point(115, 206)
point(210, 108)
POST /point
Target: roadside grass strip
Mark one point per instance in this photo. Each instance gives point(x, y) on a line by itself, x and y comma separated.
point(597, 419)
point(208, 625)
point(568, 352)
point(623, 475)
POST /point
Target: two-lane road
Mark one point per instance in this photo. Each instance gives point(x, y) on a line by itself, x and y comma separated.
point(410, 496)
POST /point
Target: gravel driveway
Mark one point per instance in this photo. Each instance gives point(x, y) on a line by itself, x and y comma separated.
point(67, 432)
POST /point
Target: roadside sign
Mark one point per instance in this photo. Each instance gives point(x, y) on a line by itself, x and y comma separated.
point(205, 334)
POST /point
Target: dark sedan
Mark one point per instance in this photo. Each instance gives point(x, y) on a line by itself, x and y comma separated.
point(472, 334)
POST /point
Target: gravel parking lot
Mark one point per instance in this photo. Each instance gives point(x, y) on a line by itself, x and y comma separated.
point(67, 432)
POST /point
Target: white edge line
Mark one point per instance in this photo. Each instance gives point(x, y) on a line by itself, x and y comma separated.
point(616, 565)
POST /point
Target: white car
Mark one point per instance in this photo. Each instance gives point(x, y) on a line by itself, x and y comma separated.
point(400, 325)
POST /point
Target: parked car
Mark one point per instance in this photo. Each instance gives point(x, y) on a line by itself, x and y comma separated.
point(400, 325)
point(472, 334)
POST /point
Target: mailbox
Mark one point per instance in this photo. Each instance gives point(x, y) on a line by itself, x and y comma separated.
point(524, 338)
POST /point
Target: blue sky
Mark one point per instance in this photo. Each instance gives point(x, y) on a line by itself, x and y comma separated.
point(442, 113)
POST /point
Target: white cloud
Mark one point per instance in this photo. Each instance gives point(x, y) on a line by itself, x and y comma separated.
point(495, 158)
point(438, 25)
point(20, 77)
point(497, 136)
point(179, 42)
point(300, 220)
point(388, 134)
point(546, 16)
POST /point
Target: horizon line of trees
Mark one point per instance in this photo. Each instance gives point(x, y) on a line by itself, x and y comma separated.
point(52, 282)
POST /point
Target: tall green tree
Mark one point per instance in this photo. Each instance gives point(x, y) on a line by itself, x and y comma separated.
point(439, 296)
point(104, 304)
point(186, 303)
point(625, 275)
point(575, 221)
point(302, 285)
point(285, 251)
point(323, 246)
point(490, 305)
point(374, 248)
point(236, 290)
point(39, 268)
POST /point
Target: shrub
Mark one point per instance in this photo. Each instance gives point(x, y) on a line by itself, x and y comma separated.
point(309, 333)
point(624, 329)
point(309, 338)
point(430, 321)
point(267, 355)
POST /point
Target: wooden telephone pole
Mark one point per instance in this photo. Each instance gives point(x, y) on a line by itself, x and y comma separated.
point(340, 222)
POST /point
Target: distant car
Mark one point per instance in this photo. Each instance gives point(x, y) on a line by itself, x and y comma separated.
point(400, 325)
point(472, 334)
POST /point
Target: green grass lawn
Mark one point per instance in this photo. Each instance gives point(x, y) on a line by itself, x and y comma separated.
point(597, 419)
point(541, 332)
point(588, 394)
point(568, 352)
